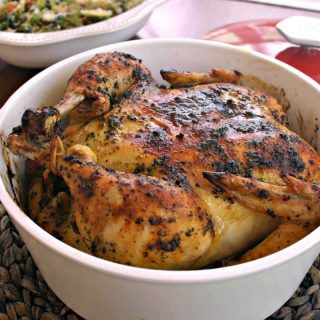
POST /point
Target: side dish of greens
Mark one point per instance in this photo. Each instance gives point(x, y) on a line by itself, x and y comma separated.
point(52, 15)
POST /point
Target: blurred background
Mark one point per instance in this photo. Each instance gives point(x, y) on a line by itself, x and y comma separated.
point(240, 23)
point(173, 19)
point(211, 19)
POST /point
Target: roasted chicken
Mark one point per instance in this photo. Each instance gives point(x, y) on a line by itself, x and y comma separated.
point(167, 178)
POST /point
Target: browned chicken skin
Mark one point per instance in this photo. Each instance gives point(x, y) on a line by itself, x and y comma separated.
point(174, 178)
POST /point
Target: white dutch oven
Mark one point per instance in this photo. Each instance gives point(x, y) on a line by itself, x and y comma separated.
point(99, 289)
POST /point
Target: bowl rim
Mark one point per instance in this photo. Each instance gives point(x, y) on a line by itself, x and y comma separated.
point(117, 23)
point(143, 274)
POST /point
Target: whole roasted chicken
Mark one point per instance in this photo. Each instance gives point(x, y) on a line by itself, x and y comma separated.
point(177, 178)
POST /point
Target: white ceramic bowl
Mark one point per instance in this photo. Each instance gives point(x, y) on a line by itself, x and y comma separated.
point(99, 289)
point(37, 50)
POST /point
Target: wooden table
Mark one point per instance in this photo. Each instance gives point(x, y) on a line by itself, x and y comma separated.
point(11, 78)
point(177, 18)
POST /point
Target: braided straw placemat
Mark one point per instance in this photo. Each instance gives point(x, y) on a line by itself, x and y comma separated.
point(25, 295)
point(23, 292)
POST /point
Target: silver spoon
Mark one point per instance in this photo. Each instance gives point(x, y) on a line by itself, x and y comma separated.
point(300, 30)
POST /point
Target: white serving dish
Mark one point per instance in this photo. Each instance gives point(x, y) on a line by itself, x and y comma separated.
point(98, 289)
point(38, 50)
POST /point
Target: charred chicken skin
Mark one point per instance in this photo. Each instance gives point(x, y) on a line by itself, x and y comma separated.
point(176, 178)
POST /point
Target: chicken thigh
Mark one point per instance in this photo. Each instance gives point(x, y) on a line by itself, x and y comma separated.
point(176, 178)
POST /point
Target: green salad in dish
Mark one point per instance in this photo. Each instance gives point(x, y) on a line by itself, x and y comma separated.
point(52, 15)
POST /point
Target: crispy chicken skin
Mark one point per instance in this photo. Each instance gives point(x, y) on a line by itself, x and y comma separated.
point(176, 178)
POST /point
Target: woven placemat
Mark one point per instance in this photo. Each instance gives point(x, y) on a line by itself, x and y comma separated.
point(25, 295)
point(23, 292)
